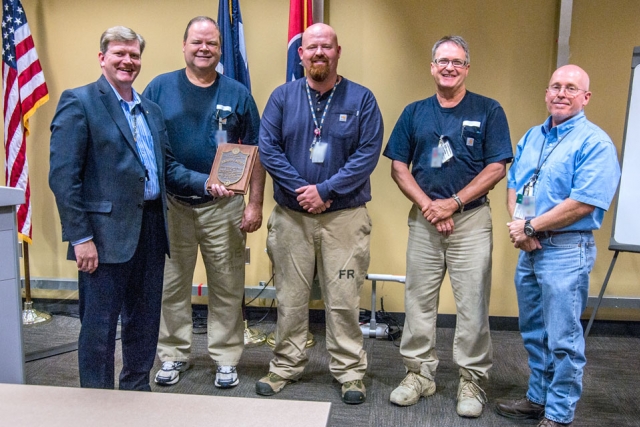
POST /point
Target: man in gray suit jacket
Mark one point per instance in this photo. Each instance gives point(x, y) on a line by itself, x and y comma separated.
point(108, 165)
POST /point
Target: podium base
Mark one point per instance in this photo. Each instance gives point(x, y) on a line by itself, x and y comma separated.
point(33, 317)
point(252, 337)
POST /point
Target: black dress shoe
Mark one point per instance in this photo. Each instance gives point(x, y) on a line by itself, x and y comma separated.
point(519, 409)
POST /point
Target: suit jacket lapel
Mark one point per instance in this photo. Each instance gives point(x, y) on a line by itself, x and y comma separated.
point(111, 103)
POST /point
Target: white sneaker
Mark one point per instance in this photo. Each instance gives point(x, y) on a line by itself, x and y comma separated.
point(170, 372)
point(411, 388)
point(226, 377)
point(471, 399)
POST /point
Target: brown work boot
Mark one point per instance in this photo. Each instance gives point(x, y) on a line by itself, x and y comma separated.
point(519, 409)
point(353, 392)
point(271, 384)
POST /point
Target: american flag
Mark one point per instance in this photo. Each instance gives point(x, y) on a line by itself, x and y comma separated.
point(24, 91)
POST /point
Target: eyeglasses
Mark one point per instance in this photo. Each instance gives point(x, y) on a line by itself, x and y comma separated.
point(570, 90)
point(443, 62)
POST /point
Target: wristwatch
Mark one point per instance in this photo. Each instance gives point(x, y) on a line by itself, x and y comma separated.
point(528, 229)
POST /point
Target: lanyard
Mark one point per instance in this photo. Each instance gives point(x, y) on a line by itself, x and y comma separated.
point(528, 187)
point(134, 122)
point(317, 132)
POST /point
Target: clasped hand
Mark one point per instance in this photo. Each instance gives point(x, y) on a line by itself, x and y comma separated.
point(310, 200)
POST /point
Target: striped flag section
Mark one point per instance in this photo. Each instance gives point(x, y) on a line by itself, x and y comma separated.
point(300, 17)
point(233, 62)
point(24, 91)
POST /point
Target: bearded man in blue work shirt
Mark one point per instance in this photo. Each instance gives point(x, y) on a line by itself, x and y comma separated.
point(567, 172)
point(320, 139)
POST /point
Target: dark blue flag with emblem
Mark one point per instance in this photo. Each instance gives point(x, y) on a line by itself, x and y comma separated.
point(233, 61)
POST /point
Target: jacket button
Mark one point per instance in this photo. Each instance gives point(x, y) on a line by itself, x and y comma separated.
point(141, 179)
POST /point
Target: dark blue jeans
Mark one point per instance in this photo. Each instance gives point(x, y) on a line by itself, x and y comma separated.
point(133, 291)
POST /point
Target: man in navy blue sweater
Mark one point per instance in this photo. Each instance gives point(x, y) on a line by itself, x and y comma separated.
point(320, 139)
point(201, 107)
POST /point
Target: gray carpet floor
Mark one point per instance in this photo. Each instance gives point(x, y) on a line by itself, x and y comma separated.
point(610, 396)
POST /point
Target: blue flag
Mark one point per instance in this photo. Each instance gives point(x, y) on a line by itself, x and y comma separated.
point(233, 62)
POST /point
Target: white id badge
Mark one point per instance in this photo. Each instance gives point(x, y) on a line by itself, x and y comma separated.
point(221, 137)
point(436, 157)
point(319, 151)
point(447, 153)
point(525, 207)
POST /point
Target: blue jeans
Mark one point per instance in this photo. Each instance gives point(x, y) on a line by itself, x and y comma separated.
point(553, 285)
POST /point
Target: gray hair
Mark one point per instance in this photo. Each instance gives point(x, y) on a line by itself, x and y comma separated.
point(201, 19)
point(119, 34)
point(455, 40)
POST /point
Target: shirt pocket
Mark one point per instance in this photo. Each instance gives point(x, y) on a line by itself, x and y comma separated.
point(344, 128)
point(560, 176)
point(473, 141)
point(226, 121)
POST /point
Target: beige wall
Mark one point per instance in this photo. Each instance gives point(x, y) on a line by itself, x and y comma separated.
point(386, 46)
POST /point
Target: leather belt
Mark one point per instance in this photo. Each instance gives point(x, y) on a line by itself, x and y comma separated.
point(547, 234)
point(194, 201)
point(475, 203)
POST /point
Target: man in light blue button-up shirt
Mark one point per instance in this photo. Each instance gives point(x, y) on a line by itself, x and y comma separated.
point(566, 171)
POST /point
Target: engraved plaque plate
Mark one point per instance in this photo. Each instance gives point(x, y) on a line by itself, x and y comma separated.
point(233, 165)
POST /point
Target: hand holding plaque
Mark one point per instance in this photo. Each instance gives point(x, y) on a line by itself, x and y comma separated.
point(232, 167)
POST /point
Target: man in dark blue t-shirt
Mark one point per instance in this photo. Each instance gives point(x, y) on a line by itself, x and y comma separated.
point(458, 144)
point(202, 108)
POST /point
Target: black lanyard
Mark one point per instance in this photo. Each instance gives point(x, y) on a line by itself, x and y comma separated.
point(528, 187)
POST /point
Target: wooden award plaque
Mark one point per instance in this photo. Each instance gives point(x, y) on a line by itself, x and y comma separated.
point(233, 165)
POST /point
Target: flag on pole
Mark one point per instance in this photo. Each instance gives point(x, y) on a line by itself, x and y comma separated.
point(24, 91)
point(233, 62)
point(318, 11)
point(300, 17)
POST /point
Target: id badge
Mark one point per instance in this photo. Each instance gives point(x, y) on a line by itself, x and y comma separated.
point(447, 153)
point(436, 157)
point(221, 137)
point(318, 152)
point(525, 207)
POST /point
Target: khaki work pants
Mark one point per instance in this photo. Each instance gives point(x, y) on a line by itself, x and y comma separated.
point(215, 229)
point(334, 245)
point(466, 254)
